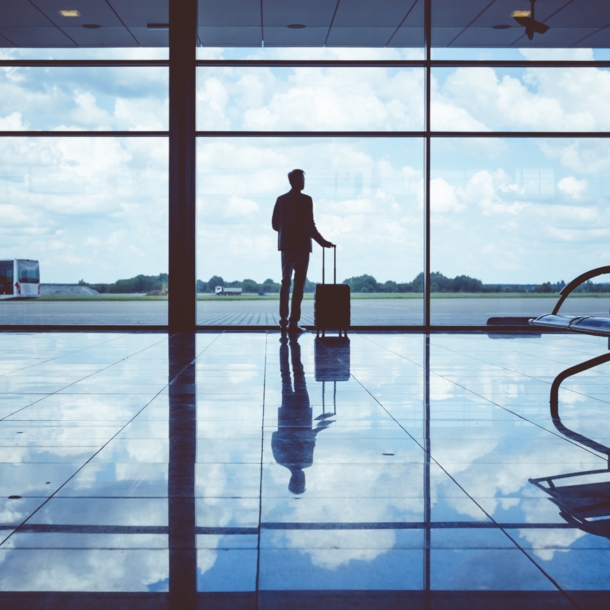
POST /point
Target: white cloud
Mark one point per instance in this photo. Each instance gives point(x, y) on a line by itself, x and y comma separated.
point(13, 122)
point(444, 198)
point(573, 188)
point(239, 207)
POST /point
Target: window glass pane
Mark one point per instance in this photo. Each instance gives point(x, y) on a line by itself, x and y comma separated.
point(93, 213)
point(367, 195)
point(532, 99)
point(517, 217)
point(125, 98)
point(134, 53)
point(310, 99)
point(586, 53)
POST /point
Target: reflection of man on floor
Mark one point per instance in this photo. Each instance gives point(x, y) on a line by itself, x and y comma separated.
point(293, 220)
point(295, 440)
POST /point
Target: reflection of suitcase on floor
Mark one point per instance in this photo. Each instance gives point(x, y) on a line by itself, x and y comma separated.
point(331, 309)
point(332, 358)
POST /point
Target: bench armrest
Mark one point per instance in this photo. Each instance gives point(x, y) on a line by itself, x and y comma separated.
point(576, 282)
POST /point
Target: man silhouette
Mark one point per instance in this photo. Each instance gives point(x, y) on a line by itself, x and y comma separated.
point(293, 220)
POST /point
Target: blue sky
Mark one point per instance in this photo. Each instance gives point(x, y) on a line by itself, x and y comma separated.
point(504, 211)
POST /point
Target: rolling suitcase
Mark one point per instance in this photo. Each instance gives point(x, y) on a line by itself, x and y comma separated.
point(331, 309)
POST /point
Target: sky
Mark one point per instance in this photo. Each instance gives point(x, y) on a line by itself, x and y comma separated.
point(503, 210)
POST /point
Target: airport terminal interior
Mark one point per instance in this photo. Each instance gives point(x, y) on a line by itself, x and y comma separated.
point(164, 445)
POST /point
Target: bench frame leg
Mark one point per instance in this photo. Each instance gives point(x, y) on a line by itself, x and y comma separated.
point(554, 400)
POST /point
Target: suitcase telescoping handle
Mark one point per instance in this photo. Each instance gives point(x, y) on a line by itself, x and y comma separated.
point(324, 265)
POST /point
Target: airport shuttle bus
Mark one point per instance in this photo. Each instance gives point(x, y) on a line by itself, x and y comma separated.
point(19, 279)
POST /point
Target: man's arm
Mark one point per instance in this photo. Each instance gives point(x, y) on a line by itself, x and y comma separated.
point(275, 219)
point(313, 231)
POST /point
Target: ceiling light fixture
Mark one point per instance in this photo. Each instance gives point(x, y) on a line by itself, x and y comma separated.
point(157, 26)
point(92, 26)
point(69, 13)
point(502, 26)
point(296, 26)
point(528, 21)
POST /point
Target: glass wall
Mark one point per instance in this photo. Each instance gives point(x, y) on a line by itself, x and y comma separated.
point(503, 137)
point(367, 190)
point(85, 192)
point(514, 220)
point(368, 199)
point(327, 98)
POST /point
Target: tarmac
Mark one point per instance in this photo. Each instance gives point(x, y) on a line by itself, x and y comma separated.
point(365, 312)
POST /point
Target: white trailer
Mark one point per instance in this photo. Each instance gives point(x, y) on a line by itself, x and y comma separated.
point(221, 291)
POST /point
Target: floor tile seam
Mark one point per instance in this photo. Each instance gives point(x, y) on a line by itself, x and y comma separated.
point(75, 382)
point(553, 432)
point(520, 373)
point(22, 408)
point(61, 356)
point(530, 554)
point(512, 350)
point(505, 532)
point(260, 489)
point(498, 366)
point(479, 506)
point(505, 408)
point(401, 356)
point(73, 475)
point(476, 394)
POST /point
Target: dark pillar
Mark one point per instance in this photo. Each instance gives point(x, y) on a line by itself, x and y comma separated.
point(182, 75)
point(182, 540)
point(428, 77)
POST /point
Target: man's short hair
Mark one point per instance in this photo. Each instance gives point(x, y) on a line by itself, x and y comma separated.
point(294, 174)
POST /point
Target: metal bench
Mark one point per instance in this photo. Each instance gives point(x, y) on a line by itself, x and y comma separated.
point(589, 325)
point(583, 503)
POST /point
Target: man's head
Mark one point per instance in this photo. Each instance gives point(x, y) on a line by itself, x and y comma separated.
point(297, 179)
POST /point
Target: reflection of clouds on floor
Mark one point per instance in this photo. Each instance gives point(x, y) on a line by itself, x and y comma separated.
point(354, 545)
point(367, 479)
point(82, 570)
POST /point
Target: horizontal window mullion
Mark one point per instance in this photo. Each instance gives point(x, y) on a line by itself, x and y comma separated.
point(310, 134)
point(519, 134)
point(84, 63)
point(398, 63)
point(84, 134)
point(501, 63)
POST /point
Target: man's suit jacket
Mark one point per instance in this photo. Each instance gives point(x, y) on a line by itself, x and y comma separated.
point(293, 220)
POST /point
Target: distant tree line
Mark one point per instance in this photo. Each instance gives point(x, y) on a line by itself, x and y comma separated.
point(463, 283)
point(363, 283)
point(139, 283)
point(248, 286)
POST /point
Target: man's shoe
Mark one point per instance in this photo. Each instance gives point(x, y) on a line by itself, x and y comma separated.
point(294, 329)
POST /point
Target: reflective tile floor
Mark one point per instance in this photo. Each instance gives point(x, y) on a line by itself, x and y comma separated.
point(246, 470)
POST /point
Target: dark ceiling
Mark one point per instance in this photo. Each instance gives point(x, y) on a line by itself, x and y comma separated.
point(332, 23)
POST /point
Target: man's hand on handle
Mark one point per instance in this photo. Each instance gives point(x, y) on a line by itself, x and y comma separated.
point(328, 244)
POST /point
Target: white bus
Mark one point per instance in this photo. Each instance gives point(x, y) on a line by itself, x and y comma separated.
point(19, 279)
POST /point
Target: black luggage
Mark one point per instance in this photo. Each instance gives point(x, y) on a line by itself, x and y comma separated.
point(331, 309)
